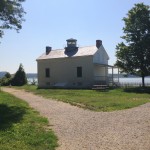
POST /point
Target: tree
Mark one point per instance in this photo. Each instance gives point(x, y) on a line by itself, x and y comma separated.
point(133, 56)
point(11, 15)
point(19, 78)
point(8, 75)
point(6, 80)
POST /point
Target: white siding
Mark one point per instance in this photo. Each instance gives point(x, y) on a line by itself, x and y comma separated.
point(64, 71)
point(101, 57)
point(63, 68)
point(100, 74)
point(99, 71)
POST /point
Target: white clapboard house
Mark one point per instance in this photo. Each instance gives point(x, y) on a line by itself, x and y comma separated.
point(73, 67)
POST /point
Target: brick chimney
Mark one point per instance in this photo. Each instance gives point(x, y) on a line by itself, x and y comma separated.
point(98, 43)
point(48, 49)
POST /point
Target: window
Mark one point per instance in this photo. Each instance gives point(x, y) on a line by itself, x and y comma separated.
point(71, 43)
point(47, 72)
point(79, 71)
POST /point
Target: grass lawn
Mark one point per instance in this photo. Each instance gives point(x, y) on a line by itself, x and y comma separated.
point(22, 128)
point(116, 99)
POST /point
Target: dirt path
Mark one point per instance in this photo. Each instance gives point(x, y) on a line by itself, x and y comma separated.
point(79, 129)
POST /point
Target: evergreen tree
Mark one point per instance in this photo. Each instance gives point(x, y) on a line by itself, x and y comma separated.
point(19, 78)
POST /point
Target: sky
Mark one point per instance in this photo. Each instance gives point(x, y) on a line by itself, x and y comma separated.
point(52, 22)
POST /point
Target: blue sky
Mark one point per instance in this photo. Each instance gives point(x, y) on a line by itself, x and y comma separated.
point(51, 22)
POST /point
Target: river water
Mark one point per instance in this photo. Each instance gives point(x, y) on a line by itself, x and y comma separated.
point(134, 81)
point(123, 81)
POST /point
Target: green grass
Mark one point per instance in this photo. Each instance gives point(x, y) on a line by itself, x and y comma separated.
point(115, 99)
point(22, 128)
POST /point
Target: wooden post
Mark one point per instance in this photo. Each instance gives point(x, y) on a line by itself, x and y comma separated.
point(118, 75)
point(106, 79)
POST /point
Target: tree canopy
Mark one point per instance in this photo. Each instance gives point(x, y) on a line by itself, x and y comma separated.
point(133, 55)
point(11, 15)
point(8, 75)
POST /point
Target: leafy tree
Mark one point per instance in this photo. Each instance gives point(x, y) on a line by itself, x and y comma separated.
point(6, 80)
point(133, 56)
point(11, 15)
point(8, 75)
point(19, 78)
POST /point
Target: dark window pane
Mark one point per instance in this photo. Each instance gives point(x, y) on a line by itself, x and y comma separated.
point(47, 72)
point(79, 71)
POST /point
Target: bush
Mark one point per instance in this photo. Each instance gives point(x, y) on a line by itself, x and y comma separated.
point(6, 80)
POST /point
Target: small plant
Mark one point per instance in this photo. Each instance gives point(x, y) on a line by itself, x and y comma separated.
point(33, 82)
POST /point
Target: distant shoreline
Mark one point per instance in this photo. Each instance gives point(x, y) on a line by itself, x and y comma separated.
point(34, 75)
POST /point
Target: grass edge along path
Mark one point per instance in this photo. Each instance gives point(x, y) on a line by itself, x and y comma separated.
point(112, 100)
point(21, 127)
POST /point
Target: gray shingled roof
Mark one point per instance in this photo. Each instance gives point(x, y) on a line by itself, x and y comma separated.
point(61, 53)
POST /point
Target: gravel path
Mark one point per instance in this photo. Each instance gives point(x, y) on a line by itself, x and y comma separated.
point(79, 129)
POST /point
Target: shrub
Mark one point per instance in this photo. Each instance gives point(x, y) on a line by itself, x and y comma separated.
point(6, 80)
